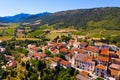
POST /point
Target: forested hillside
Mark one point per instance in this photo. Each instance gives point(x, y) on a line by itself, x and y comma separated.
point(107, 18)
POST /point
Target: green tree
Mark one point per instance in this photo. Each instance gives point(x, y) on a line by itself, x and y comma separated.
point(34, 76)
point(99, 78)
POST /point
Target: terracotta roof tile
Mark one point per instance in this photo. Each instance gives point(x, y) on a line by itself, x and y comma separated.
point(80, 56)
point(105, 52)
point(115, 72)
point(115, 66)
point(70, 53)
point(55, 51)
point(80, 50)
point(39, 55)
point(88, 59)
point(35, 54)
point(42, 55)
point(84, 73)
point(99, 66)
point(56, 59)
point(117, 60)
point(65, 63)
point(64, 50)
point(118, 53)
point(102, 58)
point(92, 49)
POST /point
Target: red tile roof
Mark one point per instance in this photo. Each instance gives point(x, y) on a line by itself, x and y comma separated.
point(14, 63)
point(60, 45)
point(105, 52)
point(56, 59)
point(64, 50)
point(65, 63)
point(100, 66)
point(80, 50)
point(80, 56)
point(115, 66)
point(118, 53)
point(92, 49)
point(84, 73)
point(42, 55)
point(39, 55)
point(88, 59)
point(102, 58)
point(115, 72)
point(55, 51)
point(111, 53)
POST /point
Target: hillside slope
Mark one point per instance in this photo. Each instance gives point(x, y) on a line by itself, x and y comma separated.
point(108, 18)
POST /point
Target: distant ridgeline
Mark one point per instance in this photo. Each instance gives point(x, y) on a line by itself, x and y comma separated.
point(104, 18)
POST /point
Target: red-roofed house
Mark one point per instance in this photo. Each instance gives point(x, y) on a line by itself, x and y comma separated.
point(118, 53)
point(55, 62)
point(101, 70)
point(115, 74)
point(83, 61)
point(104, 52)
point(78, 50)
point(115, 60)
point(70, 55)
point(12, 63)
point(103, 60)
point(39, 56)
point(115, 71)
point(65, 64)
point(64, 51)
point(83, 45)
point(92, 51)
point(55, 51)
point(88, 64)
point(83, 75)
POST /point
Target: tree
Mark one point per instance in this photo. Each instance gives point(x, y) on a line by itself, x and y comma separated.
point(60, 55)
point(34, 76)
point(27, 65)
point(41, 65)
point(99, 78)
point(22, 63)
point(48, 53)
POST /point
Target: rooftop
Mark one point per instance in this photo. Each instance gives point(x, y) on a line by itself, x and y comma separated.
point(115, 66)
point(115, 72)
point(56, 59)
point(105, 52)
point(102, 58)
point(92, 49)
point(100, 66)
point(65, 63)
point(84, 73)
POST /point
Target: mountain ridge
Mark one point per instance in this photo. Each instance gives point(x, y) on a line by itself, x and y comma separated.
point(20, 17)
point(103, 17)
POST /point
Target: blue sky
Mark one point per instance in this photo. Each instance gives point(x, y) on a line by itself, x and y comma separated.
point(12, 7)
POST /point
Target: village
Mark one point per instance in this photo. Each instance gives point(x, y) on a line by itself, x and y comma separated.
point(91, 60)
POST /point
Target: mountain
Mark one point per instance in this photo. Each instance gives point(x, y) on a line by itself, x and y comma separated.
point(20, 17)
point(105, 17)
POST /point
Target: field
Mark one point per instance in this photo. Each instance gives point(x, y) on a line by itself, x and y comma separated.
point(27, 39)
point(6, 38)
point(7, 33)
